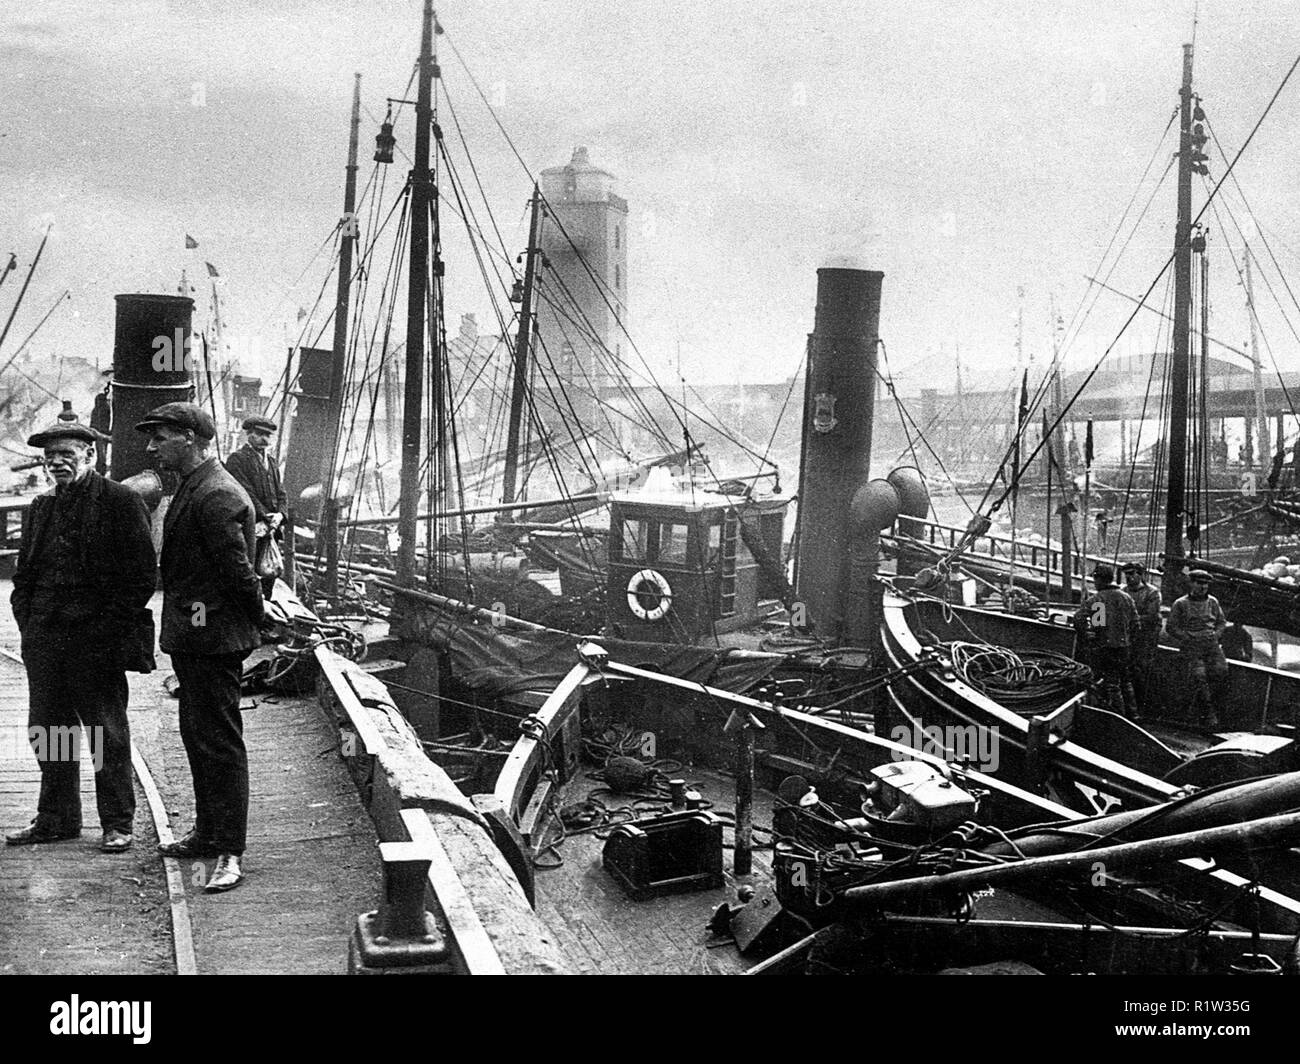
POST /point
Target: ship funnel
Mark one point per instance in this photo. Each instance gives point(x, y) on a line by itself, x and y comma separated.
point(151, 366)
point(839, 401)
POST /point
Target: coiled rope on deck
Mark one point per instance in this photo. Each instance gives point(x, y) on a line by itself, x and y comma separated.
point(1018, 679)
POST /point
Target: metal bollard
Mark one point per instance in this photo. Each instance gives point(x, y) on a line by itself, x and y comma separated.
point(401, 936)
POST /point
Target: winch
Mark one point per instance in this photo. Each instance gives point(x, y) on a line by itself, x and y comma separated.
point(906, 798)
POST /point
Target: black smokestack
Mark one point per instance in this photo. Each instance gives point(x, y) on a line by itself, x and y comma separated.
point(836, 460)
point(151, 366)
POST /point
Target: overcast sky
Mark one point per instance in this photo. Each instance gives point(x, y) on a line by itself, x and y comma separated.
point(968, 150)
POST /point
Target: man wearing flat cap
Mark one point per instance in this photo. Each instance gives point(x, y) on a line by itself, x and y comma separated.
point(212, 606)
point(1142, 654)
point(84, 575)
point(1196, 622)
point(1108, 622)
point(256, 469)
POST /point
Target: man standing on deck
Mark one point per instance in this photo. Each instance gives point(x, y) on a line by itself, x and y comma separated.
point(84, 575)
point(1195, 623)
point(212, 606)
point(1109, 623)
point(256, 469)
point(1142, 654)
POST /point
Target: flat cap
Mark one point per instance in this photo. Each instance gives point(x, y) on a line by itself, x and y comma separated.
point(180, 416)
point(1133, 567)
point(63, 430)
point(1198, 574)
point(260, 424)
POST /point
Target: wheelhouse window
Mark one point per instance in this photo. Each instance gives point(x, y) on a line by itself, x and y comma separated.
point(672, 544)
point(715, 546)
point(634, 540)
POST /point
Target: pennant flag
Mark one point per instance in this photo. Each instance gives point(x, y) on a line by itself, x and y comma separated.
point(190, 242)
point(212, 270)
point(302, 313)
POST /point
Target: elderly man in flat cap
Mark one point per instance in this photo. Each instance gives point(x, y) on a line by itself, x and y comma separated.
point(84, 575)
point(212, 606)
point(255, 468)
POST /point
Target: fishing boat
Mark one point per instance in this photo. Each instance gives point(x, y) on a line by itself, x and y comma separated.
point(658, 824)
point(1238, 523)
point(1019, 677)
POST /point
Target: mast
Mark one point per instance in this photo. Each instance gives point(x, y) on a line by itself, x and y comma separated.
point(26, 281)
point(961, 410)
point(1176, 459)
point(523, 339)
point(334, 411)
point(1264, 452)
point(417, 287)
point(1056, 456)
point(1203, 431)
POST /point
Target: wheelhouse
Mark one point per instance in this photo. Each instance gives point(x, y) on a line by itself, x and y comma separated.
point(683, 570)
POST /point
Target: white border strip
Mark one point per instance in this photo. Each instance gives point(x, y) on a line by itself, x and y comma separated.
point(182, 931)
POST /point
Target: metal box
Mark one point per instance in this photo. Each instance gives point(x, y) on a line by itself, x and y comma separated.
point(669, 854)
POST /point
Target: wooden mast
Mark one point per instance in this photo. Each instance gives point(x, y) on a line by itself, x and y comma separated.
point(26, 281)
point(417, 288)
point(334, 417)
point(1176, 454)
point(1264, 450)
point(523, 339)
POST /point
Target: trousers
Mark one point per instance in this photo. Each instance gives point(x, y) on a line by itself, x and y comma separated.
point(1142, 657)
point(1208, 667)
point(1111, 665)
point(75, 680)
point(212, 732)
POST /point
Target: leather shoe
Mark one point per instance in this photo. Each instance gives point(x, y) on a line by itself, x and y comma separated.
point(34, 833)
point(189, 846)
point(226, 876)
point(116, 842)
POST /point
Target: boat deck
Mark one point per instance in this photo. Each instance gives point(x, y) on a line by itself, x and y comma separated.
point(603, 931)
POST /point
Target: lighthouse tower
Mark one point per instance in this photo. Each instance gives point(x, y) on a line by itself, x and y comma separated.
point(584, 314)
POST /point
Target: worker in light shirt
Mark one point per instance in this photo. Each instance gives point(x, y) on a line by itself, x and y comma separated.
point(1108, 622)
point(1195, 623)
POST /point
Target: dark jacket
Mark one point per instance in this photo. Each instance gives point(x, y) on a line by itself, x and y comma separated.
point(212, 598)
point(117, 555)
point(261, 482)
point(1108, 618)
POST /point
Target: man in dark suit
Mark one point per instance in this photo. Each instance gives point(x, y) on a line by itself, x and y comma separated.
point(256, 469)
point(212, 605)
point(84, 575)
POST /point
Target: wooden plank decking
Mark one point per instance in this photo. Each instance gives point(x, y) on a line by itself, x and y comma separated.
point(312, 863)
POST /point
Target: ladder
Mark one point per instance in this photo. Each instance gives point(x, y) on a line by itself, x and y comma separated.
point(727, 586)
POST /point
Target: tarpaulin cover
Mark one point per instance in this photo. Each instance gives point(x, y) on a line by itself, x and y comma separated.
point(500, 662)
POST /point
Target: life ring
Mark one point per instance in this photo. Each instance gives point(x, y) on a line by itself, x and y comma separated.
point(636, 588)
